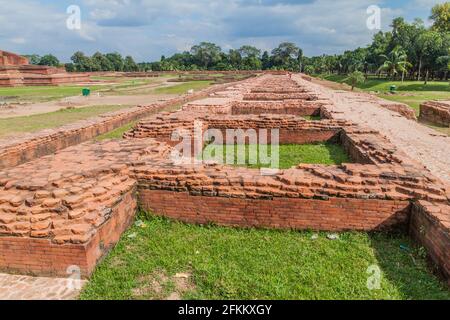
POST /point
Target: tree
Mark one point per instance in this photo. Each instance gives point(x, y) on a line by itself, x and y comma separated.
point(380, 44)
point(309, 69)
point(81, 62)
point(49, 60)
point(129, 64)
point(395, 62)
point(235, 59)
point(300, 59)
point(206, 54)
point(70, 67)
point(285, 53)
point(33, 58)
point(440, 15)
point(249, 52)
point(116, 60)
point(428, 46)
point(265, 60)
point(102, 62)
point(355, 78)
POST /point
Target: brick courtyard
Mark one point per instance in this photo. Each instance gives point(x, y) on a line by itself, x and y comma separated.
point(65, 203)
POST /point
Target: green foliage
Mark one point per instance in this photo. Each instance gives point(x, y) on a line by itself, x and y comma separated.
point(440, 14)
point(46, 60)
point(395, 62)
point(49, 60)
point(206, 54)
point(412, 49)
point(355, 78)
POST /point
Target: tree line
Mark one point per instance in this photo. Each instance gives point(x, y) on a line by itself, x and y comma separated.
point(409, 50)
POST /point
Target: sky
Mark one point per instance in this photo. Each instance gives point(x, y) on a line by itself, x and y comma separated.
point(147, 29)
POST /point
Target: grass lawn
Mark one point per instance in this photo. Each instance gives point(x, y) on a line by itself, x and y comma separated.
point(383, 85)
point(49, 93)
point(38, 93)
point(55, 119)
point(116, 134)
point(289, 154)
point(160, 258)
point(183, 87)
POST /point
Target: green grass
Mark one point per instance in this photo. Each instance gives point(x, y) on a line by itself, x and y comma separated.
point(116, 134)
point(52, 120)
point(183, 87)
point(312, 118)
point(38, 93)
point(49, 93)
point(289, 154)
point(228, 263)
point(375, 84)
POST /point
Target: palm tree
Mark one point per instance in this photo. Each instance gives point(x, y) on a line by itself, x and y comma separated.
point(354, 78)
point(395, 62)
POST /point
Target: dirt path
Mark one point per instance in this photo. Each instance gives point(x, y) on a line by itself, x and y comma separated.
point(419, 142)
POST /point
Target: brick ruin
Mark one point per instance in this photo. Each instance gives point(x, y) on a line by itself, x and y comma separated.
point(437, 112)
point(70, 207)
point(16, 71)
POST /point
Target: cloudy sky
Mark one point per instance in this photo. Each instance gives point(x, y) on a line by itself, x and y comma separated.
point(147, 29)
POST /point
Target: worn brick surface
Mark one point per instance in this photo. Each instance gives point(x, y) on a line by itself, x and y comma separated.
point(437, 112)
point(72, 206)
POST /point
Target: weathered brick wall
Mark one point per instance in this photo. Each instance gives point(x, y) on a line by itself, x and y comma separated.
point(401, 108)
point(11, 59)
point(430, 227)
point(45, 258)
point(279, 96)
point(291, 107)
point(31, 75)
point(335, 214)
point(436, 112)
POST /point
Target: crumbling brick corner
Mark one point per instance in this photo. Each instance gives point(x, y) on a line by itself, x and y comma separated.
point(437, 112)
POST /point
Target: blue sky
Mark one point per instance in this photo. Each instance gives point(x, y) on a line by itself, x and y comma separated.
point(147, 29)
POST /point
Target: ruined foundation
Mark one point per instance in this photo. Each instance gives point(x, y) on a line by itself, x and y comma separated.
point(73, 205)
point(437, 112)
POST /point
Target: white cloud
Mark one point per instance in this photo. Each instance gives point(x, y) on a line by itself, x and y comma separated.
point(148, 29)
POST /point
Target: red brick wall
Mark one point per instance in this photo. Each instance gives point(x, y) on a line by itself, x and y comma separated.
point(432, 233)
point(436, 112)
point(335, 214)
point(44, 258)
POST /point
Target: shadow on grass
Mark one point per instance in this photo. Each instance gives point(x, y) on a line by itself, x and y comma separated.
point(424, 87)
point(404, 266)
point(337, 154)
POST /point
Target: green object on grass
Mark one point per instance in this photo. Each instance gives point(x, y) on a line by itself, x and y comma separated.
point(86, 92)
point(393, 88)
